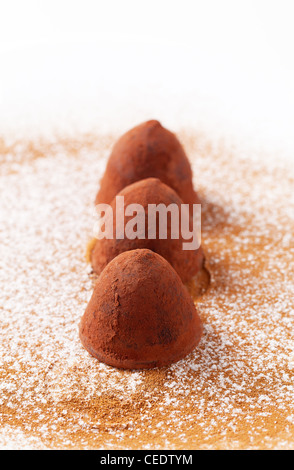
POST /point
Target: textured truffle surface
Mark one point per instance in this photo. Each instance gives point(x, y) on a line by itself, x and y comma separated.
point(187, 263)
point(147, 150)
point(140, 314)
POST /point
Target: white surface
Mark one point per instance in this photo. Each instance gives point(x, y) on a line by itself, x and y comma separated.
point(225, 66)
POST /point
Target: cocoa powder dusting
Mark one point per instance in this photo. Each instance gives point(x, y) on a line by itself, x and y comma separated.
point(234, 391)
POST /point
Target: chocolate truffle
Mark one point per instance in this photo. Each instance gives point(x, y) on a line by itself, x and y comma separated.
point(187, 263)
point(140, 314)
point(147, 150)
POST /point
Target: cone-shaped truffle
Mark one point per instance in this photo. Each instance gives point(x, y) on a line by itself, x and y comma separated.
point(140, 314)
point(147, 150)
point(187, 263)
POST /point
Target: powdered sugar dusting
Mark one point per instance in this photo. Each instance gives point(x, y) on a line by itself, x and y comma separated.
point(236, 390)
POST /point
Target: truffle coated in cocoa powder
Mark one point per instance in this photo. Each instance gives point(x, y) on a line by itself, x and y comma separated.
point(147, 150)
point(140, 314)
point(187, 263)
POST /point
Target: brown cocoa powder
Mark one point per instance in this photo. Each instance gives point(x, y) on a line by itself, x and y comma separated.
point(235, 391)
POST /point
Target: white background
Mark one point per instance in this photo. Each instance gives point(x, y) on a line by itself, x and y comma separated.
point(223, 66)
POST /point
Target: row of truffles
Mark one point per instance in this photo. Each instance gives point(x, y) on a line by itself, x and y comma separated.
point(141, 314)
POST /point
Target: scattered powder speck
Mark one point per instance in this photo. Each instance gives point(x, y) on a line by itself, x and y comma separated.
point(235, 391)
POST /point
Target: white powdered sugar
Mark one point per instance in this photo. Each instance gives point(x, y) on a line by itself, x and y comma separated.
point(236, 390)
